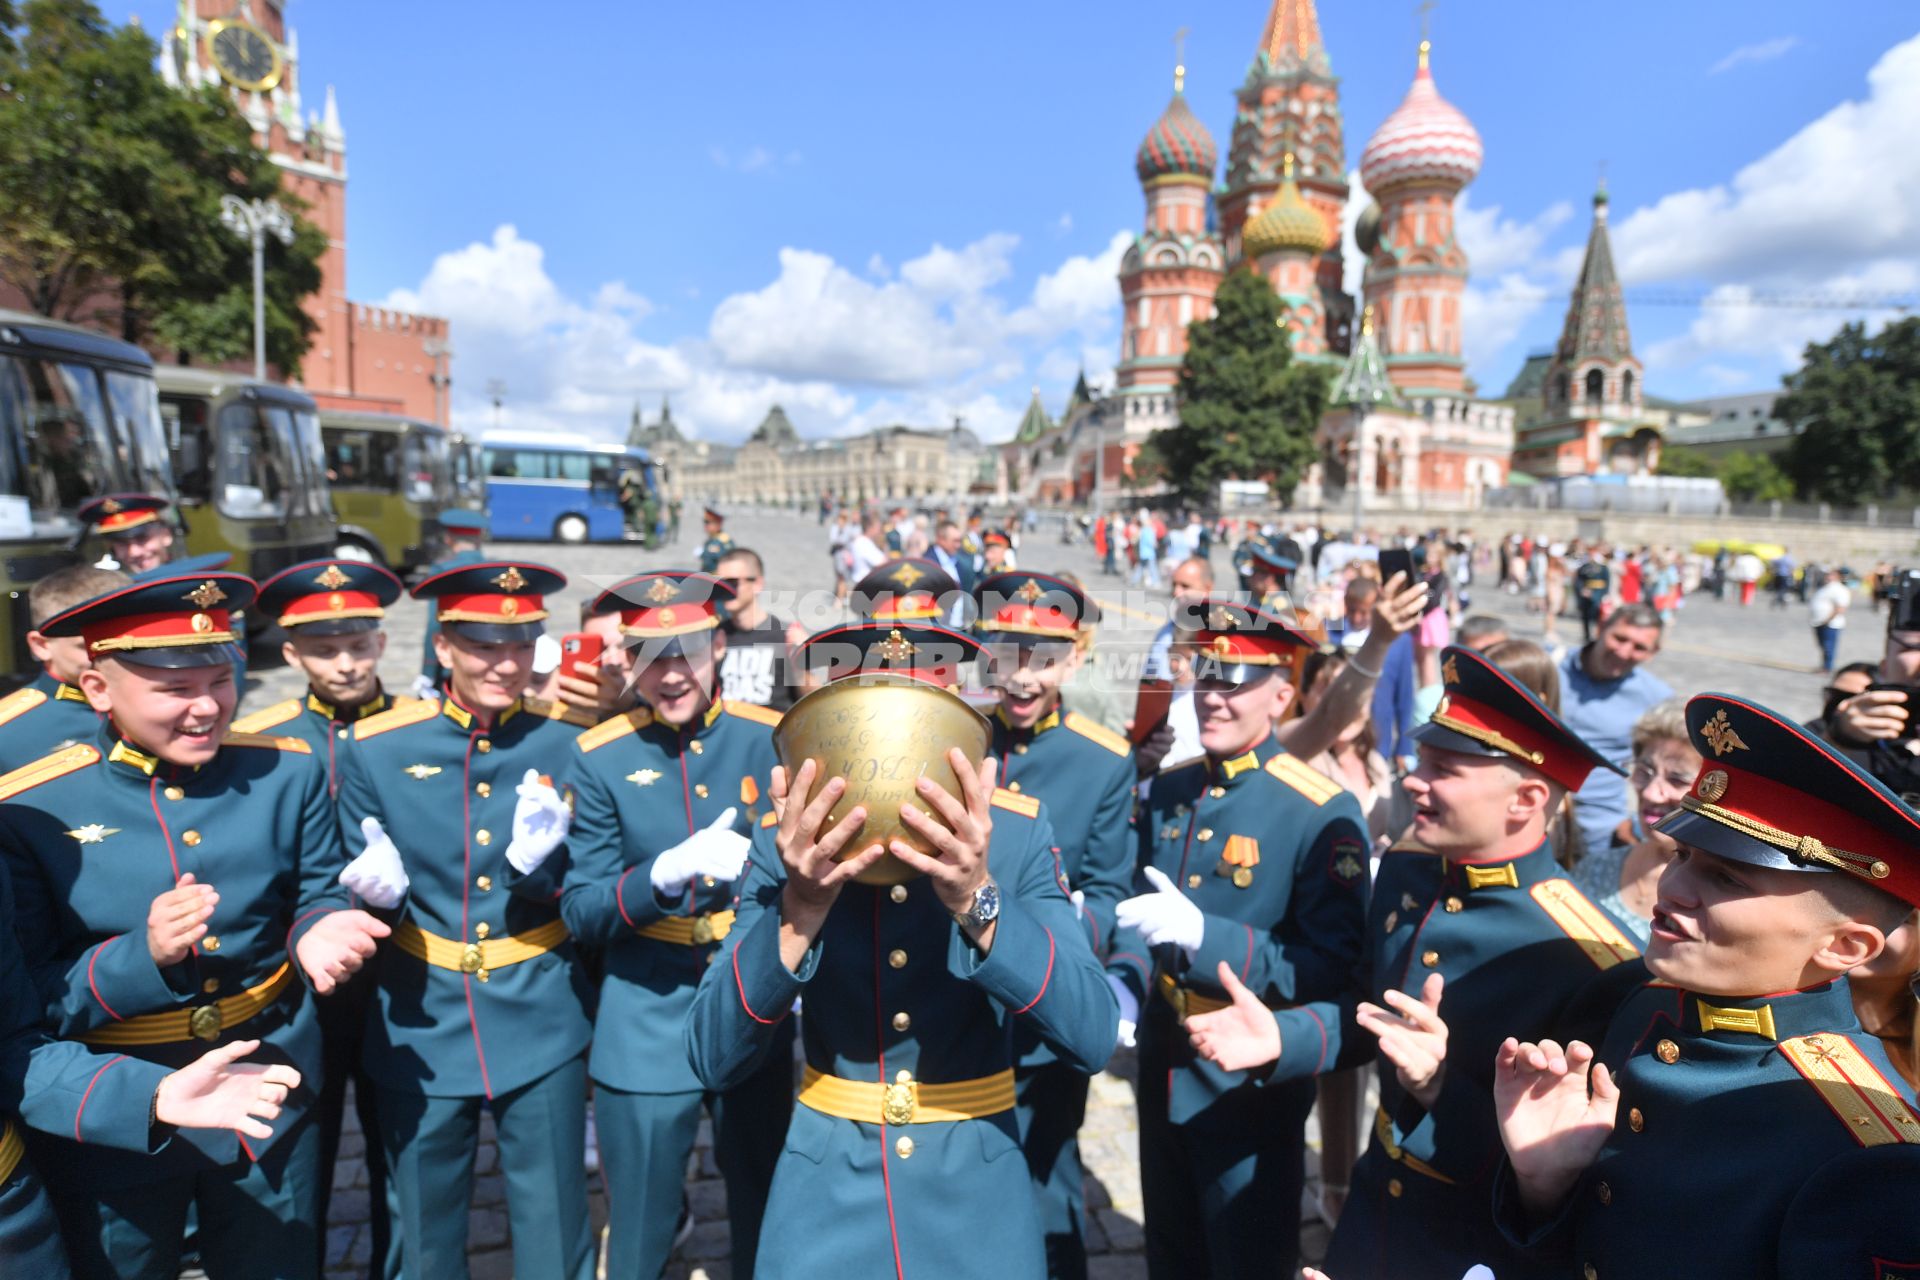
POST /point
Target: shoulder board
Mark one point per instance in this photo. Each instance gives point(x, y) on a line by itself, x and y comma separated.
point(1025, 806)
point(751, 711)
point(395, 718)
point(551, 709)
point(1869, 1107)
point(47, 768)
point(1304, 778)
point(19, 702)
point(1584, 922)
point(769, 819)
point(268, 717)
point(614, 729)
point(236, 738)
point(1093, 731)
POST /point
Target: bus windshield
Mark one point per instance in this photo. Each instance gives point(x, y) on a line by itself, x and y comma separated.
point(425, 464)
point(64, 437)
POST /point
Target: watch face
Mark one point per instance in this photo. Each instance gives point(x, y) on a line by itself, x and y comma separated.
point(243, 55)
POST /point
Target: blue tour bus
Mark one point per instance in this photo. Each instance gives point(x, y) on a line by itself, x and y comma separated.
point(561, 488)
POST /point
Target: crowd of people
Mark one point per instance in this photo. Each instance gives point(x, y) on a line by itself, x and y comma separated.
point(1563, 962)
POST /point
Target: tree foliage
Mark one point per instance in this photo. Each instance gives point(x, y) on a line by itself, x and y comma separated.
point(1754, 477)
point(1678, 460)
point(112, 185)
point(1247, 412)
point(1859, 398)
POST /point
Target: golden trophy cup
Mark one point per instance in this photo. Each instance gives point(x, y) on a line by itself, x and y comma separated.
point(881, 733)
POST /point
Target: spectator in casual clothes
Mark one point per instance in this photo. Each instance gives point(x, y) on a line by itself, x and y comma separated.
point(1350, 628)
point(1828, 613)
point(755, 666)
point(1623, 875)
point(1603, 694)
point(869, 553)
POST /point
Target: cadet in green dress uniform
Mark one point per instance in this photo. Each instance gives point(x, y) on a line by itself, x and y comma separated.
point(718, 542)
point(1250, 859)
point(1474, 933)
point(663, 798)
point(176, 888)
point(49, 711)
point(903, 1157)
point(464, 532)
point(479, 1002)
point(912, 590)
point(1270, 576)
point(331, 612)
point(1732, 1085)
point(135, 526)
point(1028, 625)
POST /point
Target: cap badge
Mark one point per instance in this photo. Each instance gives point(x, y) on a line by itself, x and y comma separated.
point(112, 506)
point(92, 833)
point(509, 607)
point(511, 580)
point(895, 648)
point(1030, 591)
point(666, 617)
point(1220, 647)
point(644, 777)
point(906, 575)
point(1450, 671)
point(201, 624)
point(336, 602)
point(332, 579)
point(1221, 619)
point(1720, 735)
point(206, 595)
point(1712, 785)
point(661, 591)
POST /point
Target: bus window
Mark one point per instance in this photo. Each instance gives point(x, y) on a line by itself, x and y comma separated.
point(363, 460)
point(423, 458)
point(312, 492)
point(69, 454)
point(136, 413)
point(192, 439)
point(251, 472)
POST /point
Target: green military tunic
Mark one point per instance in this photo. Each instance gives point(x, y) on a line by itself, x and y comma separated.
point(41, 717)
point(714, 550)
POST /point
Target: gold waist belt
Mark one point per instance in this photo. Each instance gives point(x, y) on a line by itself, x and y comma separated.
point(1186, 1001)
point(690, 931)
point(202, 1022)
point(478, 958)
point(906, 1100)
point(12, 1147)
point(1383, 1130)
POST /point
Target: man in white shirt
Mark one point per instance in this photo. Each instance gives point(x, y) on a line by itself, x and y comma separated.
point(1828, 613)
point(868, 554)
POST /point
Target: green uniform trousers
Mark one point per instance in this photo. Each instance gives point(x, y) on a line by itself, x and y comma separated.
point(541, 1130)
point(343, 1023)
point(1050, 1104)
point(29, 1232)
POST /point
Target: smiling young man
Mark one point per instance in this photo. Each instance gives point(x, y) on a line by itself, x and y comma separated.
point(176, 888)
point(1472, 934)
point(50, 711)
point(1737, 1082)
point(135, 527)
point(454, 810)
point(1249, 863)
point(663, 798)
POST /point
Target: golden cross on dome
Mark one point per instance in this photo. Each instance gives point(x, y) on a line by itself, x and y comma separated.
point(895, 648)
point(661, 591)
point(1720, 735)
point(1180, 60)
point(511, 580)
point(206, 595)
point(332, 579)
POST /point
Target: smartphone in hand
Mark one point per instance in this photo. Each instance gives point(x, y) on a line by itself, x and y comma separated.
point(578, 648)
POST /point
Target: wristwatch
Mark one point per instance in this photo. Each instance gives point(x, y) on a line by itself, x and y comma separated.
point(985, 909)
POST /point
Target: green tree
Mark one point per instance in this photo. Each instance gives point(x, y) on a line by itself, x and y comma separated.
point(1754, 477)
point(1247, 412)
point(112, 185)
point(1678, 460)
point(1859, 398)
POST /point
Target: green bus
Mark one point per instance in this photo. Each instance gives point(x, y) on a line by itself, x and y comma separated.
point(392, 476)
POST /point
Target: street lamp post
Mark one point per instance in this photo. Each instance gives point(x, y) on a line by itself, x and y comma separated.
point(438, 352)
point(256, 220)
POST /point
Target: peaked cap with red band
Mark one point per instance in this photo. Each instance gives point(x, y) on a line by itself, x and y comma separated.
point(908, 590)
point(662, 609)
point(918, 651)
point(184, 621)
point(1770, 794)
point(996, 538)
point(115, 515)
point(1486, 712)
point(1018, 603)
point(1237, 642)
point(494, 602)
point(330, 597)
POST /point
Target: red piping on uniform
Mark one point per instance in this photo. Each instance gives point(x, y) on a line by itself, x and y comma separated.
point(619, 901)
point(153, 798)
point(90, 983)
point(249, 1150)
point(473, 1020)
point(741, 988)
point(1322, 1028)
point(1044, 980)
point(295, 926)
point(89, 1093)
point(686, 793)
point(466, 879)
point(880, 1055)
point(333, 776)
point(1246, 966)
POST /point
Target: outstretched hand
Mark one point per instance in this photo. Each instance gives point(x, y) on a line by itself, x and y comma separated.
point(1239, 1037)
point(1412, 1037)
point(1555, 1108)
point(218, 1091)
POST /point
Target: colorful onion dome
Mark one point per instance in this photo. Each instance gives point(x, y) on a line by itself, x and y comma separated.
point(1178, 144)
point(1426, 139)
point(1287, 223)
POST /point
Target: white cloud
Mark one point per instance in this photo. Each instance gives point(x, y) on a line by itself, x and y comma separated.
point(1764, 51)
point(1491, 317)
point(1495, 245)
point(1082, 291)
point(1353, 262)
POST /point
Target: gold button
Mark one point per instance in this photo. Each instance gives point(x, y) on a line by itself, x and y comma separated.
point(898, 893)
point(340, 733)
point(483, 789)
point(1020, 749)
point(708, 881)
point(1453, 904)
point(190, 838)
point(1013, 786)
point(483, 746)
point(898, 959)
point(697, 747)
point(210, 986)
point(1667, 1051)
point(175, 793)
point(1590, 1272)
point(903, 1077)
point(903, 1148)
point(484, 884)
point(1603, 1193)
point(209, 943)
point(700, 789)
point(1636, 1120)
point(1216, 792)
point(1430, 958)
point(1392, 921)
point(483, 836)
point(1193, 881)
point(1394, 1188)
point(1204, 833)
point(482, 974)
point(482, 929)
point(901, 1022)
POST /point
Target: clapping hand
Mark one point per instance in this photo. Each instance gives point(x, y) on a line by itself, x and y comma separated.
point(377, 876)
point(541, 820)
point(1164, 916)
point(1556, 1108)
point(1239, 1037)
point(178, 919)
point(1412, 1037)
point(716, 851)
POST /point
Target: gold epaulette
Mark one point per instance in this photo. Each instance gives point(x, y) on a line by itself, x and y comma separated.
point(47, 768)
point(396, 718)
point(1025, 806)
point(1860, 1096)
point(268, 717)
point(1304, 778)
point(1093, 731)
point(551, 709)
point(751, 711)
point(614, 729)
point(769, 819)
point(236, 738)
point(1584, 922)
point(19, 702)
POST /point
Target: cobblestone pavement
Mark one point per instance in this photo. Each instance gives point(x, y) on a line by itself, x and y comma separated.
point(1761, 652)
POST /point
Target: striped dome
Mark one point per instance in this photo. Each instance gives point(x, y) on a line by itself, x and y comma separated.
point(1426, 139)
point(1287, 223)
point(1177, 144)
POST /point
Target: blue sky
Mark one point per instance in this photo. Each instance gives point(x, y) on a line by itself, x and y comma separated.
point(882, 212)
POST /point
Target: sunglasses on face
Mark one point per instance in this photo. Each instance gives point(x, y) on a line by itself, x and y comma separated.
point(735, 583)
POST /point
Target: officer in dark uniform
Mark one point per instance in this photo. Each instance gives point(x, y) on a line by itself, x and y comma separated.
point(1733, 1084)
point(1269, 573)
point(664, 797)
point(464, 532)
point(1474, 933)
point(479, 1001)
point(1249, 859)
point(1029, 626)
point(135, 526)
point(905, 1135)
point(996, 551)
point(176, 888)
point(718, 542)
point(50, 711)
point(912, 590)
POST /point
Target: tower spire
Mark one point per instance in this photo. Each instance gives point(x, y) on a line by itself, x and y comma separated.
point(1291, 38)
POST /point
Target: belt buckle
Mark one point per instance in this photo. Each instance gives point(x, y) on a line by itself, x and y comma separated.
point(702, 930)
point(205, 1022)
point(470, 958)
point(1175, 995)
point(897, 1104)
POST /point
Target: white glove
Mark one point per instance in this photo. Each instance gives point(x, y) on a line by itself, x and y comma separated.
point(424, 687)
point(376, 875)
point(715, 850)
point(1129, 1010)
point(1079, 900)
point(1165, 915)
point(540, 822)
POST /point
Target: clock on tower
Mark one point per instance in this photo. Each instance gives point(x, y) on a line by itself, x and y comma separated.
point(244, 55)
